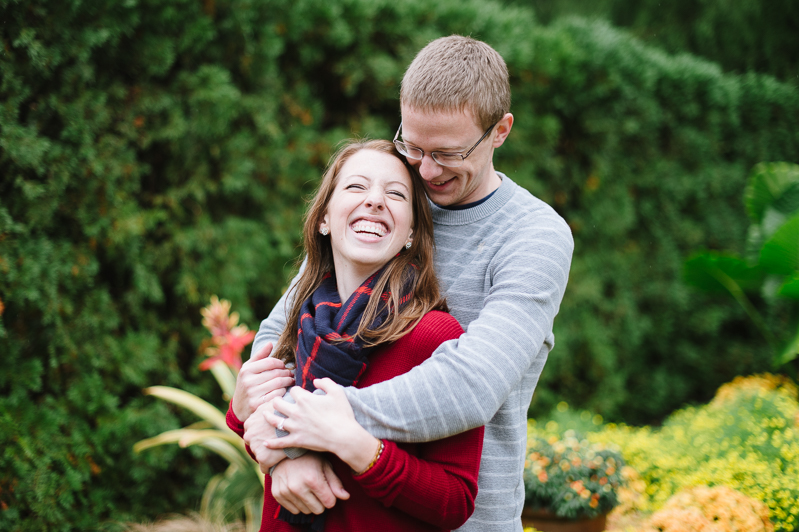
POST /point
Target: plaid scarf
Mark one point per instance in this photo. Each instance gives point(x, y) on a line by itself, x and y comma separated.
point(328, 347)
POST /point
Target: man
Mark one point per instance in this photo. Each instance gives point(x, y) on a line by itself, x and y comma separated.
point(502, 257)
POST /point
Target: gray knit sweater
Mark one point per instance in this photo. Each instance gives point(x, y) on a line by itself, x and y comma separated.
point(503, 266)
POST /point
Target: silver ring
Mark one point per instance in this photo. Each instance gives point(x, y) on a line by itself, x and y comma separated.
point(280, 425)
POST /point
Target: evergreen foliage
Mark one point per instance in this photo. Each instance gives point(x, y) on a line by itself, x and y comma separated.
point(153, 153)
point(747, 35)
point(646, 155)
point(742, 36)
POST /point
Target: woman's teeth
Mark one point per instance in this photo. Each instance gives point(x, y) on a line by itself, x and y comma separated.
point(363, 226)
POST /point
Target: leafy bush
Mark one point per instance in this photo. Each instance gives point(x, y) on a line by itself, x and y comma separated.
point(646, 155)
point(746, 35)
point(746, 439)
point(720, 509)
point(569, 476)
point(239, 490)
point(741, 36)
point(153, 153)
point(771, 268)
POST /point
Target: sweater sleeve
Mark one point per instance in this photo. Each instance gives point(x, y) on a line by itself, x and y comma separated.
point(466, 381)
point(237, 426)
point(272, 327)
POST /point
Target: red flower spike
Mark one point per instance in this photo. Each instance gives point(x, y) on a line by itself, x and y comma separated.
point(228, 338)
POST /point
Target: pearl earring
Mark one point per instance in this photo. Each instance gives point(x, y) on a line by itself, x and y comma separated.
point(324, 231)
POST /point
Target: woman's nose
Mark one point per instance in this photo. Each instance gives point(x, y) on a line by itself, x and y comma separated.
point(375, 199)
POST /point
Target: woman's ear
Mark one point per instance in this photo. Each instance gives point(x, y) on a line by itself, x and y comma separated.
point(324, 227)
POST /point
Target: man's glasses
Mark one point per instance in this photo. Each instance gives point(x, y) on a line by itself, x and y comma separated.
point(441, 157)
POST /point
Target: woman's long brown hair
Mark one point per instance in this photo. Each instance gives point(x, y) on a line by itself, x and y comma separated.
point(426, 295)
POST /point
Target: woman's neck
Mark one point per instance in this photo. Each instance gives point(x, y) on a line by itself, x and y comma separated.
point(348, 279)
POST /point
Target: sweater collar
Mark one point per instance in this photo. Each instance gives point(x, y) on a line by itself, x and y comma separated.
point(500, 197)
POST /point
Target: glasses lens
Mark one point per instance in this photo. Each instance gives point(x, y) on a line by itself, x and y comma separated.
point(408, 151)
point(447, 159)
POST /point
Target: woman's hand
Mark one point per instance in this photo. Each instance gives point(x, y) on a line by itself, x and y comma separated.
point(256, 432)
point(323, 423)
point(260, 380)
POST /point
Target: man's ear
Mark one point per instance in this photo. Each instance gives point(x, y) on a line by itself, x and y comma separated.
point(502, 130)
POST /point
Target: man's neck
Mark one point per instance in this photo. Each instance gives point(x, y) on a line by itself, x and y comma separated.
point(463, 206)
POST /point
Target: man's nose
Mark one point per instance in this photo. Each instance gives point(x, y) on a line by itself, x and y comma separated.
point(429, 169)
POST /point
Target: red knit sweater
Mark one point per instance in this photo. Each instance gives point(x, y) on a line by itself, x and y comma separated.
point(426, 486)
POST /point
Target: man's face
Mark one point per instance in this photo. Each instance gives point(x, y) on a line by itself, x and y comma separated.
point(453, 131)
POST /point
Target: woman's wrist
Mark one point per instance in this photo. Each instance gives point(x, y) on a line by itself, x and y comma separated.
point(359, 450)
point(376, 457)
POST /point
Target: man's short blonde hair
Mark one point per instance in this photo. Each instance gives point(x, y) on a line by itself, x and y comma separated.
point(456, 73)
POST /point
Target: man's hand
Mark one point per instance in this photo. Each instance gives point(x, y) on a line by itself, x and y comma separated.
point(322, 423)
point(256, 432)
point(260, 380)
point(306, 485)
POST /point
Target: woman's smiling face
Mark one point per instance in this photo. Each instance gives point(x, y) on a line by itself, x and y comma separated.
point(370, 214)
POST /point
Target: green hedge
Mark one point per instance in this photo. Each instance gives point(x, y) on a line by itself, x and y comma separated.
point(742, 36)
point(646, 155)
point(153, 153)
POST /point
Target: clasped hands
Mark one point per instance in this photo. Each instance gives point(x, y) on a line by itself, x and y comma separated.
point(322, 423)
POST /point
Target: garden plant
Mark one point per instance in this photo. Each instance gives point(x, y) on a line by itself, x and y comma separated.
point(770, 268)
point(570, 476)
point(720, 509)
point(240, 487)
point(745, 439)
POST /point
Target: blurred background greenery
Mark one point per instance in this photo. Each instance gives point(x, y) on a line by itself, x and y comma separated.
point(153, 153)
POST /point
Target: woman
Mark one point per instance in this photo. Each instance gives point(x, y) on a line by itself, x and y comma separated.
point(364, 311)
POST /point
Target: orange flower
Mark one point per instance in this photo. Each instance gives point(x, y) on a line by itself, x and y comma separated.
point(542, 476)
point(229, 339)
point(217, 318)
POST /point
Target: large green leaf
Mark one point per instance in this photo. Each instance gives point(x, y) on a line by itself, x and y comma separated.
point(226, 444)
point(790, 288)
point(780, 253)
point(790, 352)
point(772, 185)
point(202, 408)
point(715, 272)
point(225, 377)
point(228, 493)
point(220, 447)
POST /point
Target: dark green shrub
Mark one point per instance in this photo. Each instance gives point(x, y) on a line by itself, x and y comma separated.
point(741, 36)
point(646, 155)
point(770, 269)
point(155, 153)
